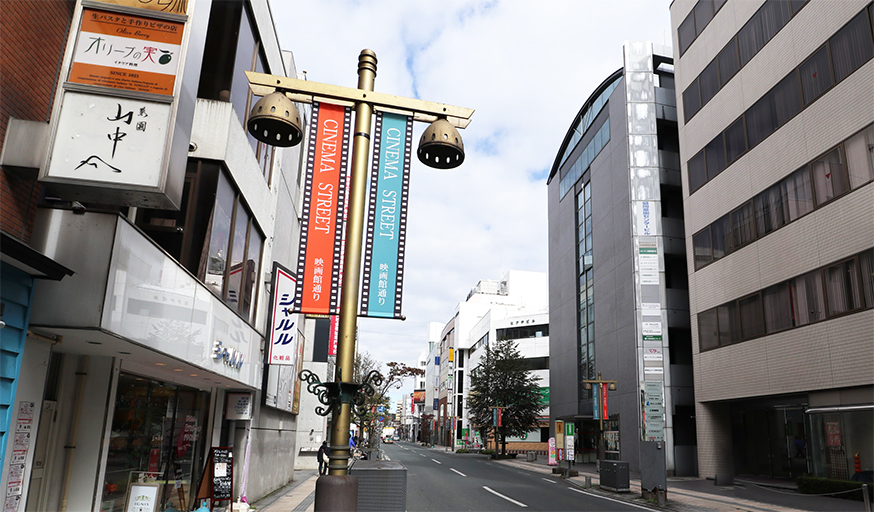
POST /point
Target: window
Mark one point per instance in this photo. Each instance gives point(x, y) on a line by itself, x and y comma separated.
point(691, 100)
point(708, 330)
point(708, 82)
point(777, 302)
point(866, 266)
point(728, 62)
point(720, 235)
point(697, 172)
point(686, 33)
point(761, 119)
point(798, 193)
point(816, 75)
point(703, 12)
point(773, 16)
point(715, 151)
point(735, 141)
point(860, 157)
point(743, 225)
point(750, 39)
point(749, 310)
point(851, 46)
point(770, 210)
point(214, 265)
point(808, 303)
point(843, 288)
point(787, 99)
point(829, 177)
point(729, 327)
point(703, 250)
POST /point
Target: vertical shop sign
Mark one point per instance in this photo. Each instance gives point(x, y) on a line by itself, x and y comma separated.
point(283, 322)
point(17, 462)
point(122, 51)
point(334, 335)
point(319, 258)
point(387, 217)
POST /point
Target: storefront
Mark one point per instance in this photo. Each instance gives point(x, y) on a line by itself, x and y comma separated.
point(842, 442)
point(157, 437)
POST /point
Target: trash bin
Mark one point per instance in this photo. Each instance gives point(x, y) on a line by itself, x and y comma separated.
point(382, 485)
point(532, 456)
point(614, 475)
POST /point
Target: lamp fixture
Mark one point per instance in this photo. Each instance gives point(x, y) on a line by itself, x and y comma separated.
point(275, 120)
point(440, 146)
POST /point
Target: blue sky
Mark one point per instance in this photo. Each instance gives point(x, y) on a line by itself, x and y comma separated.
point(526, 68)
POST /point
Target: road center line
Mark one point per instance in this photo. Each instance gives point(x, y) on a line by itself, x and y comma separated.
point(437, 461)
point(457, 471)
point(608, 499)
point(550, 481)
point(511, 500)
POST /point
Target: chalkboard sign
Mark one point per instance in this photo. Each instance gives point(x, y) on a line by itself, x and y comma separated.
point(222, 460)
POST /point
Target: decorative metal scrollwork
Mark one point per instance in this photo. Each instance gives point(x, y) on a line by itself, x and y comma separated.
point(331, 394)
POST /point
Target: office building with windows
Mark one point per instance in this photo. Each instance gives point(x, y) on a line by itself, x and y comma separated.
point(141, 225)
point(618, 303)
point(776, 135)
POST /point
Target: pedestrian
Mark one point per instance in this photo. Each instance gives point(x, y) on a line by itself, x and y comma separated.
point(351, 443)
point(322, 456)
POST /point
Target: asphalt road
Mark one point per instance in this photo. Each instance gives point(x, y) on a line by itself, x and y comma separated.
point(443, 481)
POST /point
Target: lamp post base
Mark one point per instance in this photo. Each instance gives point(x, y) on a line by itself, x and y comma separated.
point(336, 493)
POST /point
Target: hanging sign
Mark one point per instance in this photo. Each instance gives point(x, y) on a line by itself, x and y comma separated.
point(283, 322)
point(128, 52)
point(387, 217)
point(319, 258)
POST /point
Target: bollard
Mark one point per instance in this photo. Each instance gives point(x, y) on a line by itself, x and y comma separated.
point(335, 493)
point(866, 498)
point(588, 482)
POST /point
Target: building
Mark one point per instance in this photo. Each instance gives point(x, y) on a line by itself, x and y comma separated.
point(511, 308)
point(618, 299)
point(142, 228)
point(776, 106)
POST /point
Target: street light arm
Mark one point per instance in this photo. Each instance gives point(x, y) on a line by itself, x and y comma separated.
point(305, 91)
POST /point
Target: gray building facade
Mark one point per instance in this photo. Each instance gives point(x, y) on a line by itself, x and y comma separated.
point(617, 272)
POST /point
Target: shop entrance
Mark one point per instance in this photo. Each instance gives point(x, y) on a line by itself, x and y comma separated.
point(770, 441)
point(157, 438)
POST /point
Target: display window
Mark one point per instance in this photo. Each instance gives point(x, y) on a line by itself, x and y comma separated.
point(158, 438)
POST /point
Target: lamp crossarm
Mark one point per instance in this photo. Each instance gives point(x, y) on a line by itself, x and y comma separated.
point(304, 91)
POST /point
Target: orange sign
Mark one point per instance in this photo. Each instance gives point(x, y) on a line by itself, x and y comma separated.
point(127, 52)
point(324, 201)
point(174, 6)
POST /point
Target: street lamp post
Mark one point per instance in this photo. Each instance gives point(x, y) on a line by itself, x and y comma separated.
point(611, 386)
point(273, 122)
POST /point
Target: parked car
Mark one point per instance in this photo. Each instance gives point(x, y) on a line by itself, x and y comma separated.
point(388, 440)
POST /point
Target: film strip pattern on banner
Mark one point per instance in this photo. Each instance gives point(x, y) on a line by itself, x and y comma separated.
point(324, 203)
point(383, 281)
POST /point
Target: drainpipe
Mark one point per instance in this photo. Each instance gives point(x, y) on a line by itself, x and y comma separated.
point(81, 373)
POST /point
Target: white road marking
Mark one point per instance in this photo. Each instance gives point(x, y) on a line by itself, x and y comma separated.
point(421, 454)
point(608, 499)
point(437, 461)
point(457, 471)
point(550, 481)
point(511, 500)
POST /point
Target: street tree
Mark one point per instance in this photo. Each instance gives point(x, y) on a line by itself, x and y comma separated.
point(392, 379)
point(502, 381)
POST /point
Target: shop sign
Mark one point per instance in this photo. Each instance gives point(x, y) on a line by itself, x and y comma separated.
point(611, 438)
point(551, 461)
point(122, 51)
point(283, 322)
point(833, 433)
point(239, 406)
point(229, 356)
point(142, 497)
point(171, 6)
point(112, 141)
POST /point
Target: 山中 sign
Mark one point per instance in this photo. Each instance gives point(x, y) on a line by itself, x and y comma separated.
point(382, 285)
point(109, 140)
point(283, 321)
point(122, 51)
point(319, 257)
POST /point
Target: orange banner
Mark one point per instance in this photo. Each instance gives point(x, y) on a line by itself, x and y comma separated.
point(324, 201)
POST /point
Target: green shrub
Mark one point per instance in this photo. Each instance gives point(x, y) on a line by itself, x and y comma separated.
point(507, 456)
point(813, 485)
point(488, 452)
point(462, 450)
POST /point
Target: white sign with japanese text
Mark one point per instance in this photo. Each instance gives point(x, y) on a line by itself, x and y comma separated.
point(284, 324)
point(116, 141)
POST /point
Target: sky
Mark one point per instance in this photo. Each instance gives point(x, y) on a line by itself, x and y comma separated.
point(526, 68)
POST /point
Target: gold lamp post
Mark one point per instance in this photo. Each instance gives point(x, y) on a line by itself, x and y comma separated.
point(275, 121)
point(611, 386)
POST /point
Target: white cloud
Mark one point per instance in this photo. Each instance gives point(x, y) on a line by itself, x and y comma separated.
point(526, 68)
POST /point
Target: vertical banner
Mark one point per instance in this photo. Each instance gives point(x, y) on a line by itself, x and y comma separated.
point(387, 217)
point(320, 257)
point(283, 322)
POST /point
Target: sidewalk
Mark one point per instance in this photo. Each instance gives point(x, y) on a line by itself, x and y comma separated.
point(297, 496)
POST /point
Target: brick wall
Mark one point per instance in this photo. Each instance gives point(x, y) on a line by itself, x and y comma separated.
point(34, 33)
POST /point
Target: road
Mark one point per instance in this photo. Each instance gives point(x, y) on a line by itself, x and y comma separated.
point(443, 481)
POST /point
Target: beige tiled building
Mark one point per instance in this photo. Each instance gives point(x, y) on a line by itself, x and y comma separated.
point(776, 129)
